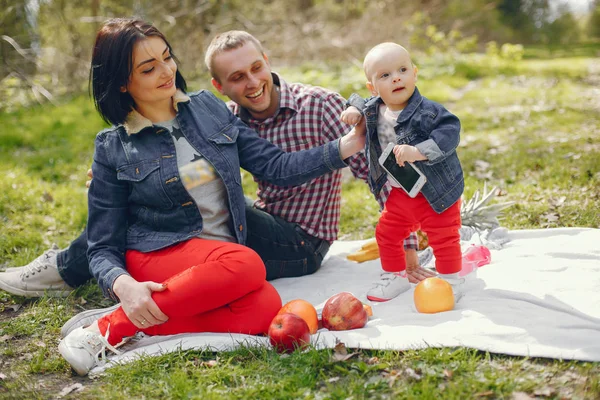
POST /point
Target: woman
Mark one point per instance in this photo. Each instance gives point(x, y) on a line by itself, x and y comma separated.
point(166, 223)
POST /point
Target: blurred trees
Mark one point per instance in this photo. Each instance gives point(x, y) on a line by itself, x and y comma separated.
point(526, 18)
point(47, 43)
point(18, 39)
point(560, 31)
point(594, 21)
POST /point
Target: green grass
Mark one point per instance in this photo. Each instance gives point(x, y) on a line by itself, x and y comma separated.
point(530, 127)
point(591, 49)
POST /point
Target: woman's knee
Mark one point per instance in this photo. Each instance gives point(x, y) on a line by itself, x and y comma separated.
point(269, 304)
point(251, 267)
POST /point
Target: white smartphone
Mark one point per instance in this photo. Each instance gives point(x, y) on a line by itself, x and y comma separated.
point(409, 177)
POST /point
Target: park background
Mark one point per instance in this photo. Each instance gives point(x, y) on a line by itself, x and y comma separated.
point(523, 76)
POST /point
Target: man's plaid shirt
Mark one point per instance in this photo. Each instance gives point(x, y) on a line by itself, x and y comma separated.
point(308, 116)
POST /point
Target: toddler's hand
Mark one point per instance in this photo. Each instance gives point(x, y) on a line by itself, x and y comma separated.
point(406, 153)
point(351, 116)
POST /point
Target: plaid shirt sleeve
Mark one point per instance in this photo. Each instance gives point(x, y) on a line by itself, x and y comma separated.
point(412, 241)
point(334, 128)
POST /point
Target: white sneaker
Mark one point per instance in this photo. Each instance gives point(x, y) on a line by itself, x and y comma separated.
point(85, 318)
point(457, 284)
point(37, 278)
point(82, 349)
point(389, 286)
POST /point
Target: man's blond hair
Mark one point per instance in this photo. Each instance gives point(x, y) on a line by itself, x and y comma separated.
point(228, 41)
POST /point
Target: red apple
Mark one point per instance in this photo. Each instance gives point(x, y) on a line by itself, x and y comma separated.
point(343, 311)
point(288, 332)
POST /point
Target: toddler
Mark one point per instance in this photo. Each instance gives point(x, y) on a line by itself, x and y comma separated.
point(426, 134)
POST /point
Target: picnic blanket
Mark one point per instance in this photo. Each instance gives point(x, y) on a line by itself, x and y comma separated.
point(539, 297)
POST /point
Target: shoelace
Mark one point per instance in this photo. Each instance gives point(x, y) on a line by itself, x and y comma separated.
point(94, 340)
point(39, 263)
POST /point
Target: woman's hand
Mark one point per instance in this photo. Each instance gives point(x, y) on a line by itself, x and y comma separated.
point(136, 300)
point(90, 176)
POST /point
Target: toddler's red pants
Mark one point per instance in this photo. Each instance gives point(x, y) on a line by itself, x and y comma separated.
point(212, 286)
point(402, 215)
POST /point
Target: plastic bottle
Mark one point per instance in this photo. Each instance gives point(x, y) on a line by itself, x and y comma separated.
point(473, 257)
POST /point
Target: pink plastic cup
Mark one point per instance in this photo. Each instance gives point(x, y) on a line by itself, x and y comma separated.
point(473, 257)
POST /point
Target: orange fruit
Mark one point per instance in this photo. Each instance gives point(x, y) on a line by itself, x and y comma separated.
point(304, 310)
point(434, 295)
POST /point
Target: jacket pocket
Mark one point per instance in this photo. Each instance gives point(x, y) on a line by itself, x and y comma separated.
point(227, 135)
point(451, 169)
point(225, 142)
point(146, 184)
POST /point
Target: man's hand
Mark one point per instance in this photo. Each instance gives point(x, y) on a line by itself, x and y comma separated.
point(418, 274)
point(354, 141)
point(90, 176)
point(351, 116)
point(136, 300)
point(414, 271)
point(406, 153)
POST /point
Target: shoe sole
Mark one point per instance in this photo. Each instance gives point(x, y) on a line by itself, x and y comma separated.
point(85, 318)
point(65, 351)
point(377, 299)
point(35, 293)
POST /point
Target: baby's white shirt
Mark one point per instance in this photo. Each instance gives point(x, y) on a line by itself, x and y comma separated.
point(386, 122)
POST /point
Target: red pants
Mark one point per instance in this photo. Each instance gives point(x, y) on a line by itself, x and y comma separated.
point(212, 286)
point(403, 215)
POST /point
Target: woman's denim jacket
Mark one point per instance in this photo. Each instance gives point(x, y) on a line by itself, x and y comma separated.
point(430, 128)
point(137, 200)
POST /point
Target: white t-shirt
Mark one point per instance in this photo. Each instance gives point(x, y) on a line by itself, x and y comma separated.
point(204, 185)
point(386, 122)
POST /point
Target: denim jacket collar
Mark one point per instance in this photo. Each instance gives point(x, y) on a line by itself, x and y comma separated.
point(135, 121)
point(413, 103)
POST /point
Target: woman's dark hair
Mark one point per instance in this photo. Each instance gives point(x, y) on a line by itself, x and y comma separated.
point(112, 63)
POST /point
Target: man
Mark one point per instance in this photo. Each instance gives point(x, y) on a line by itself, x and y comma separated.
point(291, 228)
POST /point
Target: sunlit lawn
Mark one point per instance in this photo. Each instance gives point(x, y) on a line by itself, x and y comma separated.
point(535, 134)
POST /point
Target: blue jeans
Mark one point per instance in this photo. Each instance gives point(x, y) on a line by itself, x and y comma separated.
point(284, 247)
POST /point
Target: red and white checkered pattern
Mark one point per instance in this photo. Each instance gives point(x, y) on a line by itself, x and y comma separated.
point(308, 116)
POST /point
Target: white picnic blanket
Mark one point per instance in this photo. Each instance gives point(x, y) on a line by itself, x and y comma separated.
point(539, 297)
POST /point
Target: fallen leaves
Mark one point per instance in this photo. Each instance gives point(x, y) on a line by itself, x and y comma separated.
point(5, 338)
point(74, 388)
point(340, 353)
point(520, 396)
point(545, 392)
point(12, 307)
point(206, 364)
point(447, 374)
